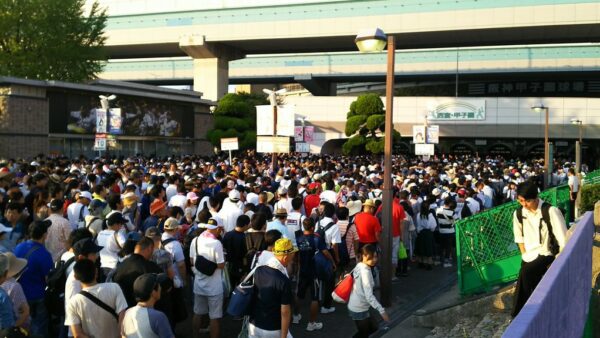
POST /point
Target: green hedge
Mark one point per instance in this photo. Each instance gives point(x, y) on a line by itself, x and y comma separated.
point(590, 194)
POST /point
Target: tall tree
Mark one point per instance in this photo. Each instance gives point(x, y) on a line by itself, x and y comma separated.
point(51, 39)
point(365, 125)
point(235, 116)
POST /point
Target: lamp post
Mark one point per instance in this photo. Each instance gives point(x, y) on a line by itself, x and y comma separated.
point(539, 109)
point(578, 145)
point(273, 101)
point(105, 104)
point(375, 41)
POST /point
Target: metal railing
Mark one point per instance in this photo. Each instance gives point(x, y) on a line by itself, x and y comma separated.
point(485, 248)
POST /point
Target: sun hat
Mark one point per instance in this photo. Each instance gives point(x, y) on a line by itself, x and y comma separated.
point(283, 247)
point(354, 207)
point(15, 264)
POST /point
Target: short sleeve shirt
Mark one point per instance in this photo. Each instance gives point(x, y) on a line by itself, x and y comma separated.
point(109, 255)
point(143, 322)
point(211, 249)
point(95, 321)
point(273, 290)
point(367, 226)
point(7, 317)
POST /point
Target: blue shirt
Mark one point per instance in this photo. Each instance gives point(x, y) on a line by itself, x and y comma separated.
point(276, 225)
point(7, 317)
point(39, 264)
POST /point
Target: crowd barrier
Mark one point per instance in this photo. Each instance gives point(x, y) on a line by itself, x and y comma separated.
point(486, 252)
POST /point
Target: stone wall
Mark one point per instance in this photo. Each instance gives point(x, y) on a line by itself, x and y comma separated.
point(23, 122)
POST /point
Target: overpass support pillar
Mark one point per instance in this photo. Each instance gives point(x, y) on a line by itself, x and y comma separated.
point(211, 65)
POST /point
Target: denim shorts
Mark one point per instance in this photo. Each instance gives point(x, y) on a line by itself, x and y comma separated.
point(359, 315)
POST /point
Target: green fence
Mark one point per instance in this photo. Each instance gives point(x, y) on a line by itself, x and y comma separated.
point(486, 252)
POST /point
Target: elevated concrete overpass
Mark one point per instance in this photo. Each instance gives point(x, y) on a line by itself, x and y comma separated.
point(213, 37)
point(320, 72)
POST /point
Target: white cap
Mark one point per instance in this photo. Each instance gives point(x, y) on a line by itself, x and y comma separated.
point(234, 195)
point(86, 194)
point(303, 181)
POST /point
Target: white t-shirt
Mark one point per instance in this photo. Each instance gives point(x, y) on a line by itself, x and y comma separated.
point(109, 255)
point(95, 321)
point(329, 196)
point(72, 287)
point(293, 223)
point(73, 212)
point(574, 183)
point(229, 215)
point(178, 201)
point(65, 257)
point(211, 249)
point(176, 251)
point(332, 235)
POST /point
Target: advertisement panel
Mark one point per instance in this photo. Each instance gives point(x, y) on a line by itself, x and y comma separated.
point(129, 116)
point(309, 133)
point(418, 134)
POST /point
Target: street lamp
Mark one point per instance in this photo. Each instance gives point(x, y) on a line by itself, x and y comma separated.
point(273, 101)
point(538, 109)
point(375, 41)
point(578, 145)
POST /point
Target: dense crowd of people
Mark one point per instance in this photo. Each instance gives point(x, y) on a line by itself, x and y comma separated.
point(112, 247)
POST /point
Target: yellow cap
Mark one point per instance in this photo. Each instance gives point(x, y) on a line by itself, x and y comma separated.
point(283, 247)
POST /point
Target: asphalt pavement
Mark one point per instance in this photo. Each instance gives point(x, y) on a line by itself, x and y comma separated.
point(409, 294)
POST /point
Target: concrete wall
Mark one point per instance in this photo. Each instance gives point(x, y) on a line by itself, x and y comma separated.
point(559, 305)
point(505, 117)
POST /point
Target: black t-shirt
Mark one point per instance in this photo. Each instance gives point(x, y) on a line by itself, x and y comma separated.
point(234, 244)
point(130, 269)
point(307, 246)
point(273, 289)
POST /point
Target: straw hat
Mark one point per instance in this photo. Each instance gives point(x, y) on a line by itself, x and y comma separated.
point(15, 265)
point(354, 207)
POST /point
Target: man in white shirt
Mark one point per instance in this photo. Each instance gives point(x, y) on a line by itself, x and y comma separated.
point(284, 202)
point(179, 199)
point(82, 249)
point(171, 189)
point(230, 211)
point(294, 220)
point(332, 239)
point(112, 240)
point(208, 290)
point(84, 316)
point(75, 213)
point(170, 243)
point(573, 190)
point(532, 235)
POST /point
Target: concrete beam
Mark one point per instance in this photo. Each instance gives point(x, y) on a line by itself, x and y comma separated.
point(211, 64)
point(316, 86)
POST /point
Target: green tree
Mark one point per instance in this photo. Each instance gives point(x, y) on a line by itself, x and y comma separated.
point(365, 125)
point(235, 116)
point(51, 39)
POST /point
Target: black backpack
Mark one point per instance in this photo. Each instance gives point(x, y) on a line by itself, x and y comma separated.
point(553, 246)
point(187, 244)
point(322, 230)
point(55, 290)
point(466, 211)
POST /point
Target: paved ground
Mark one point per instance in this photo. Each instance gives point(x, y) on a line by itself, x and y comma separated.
point(410, 293)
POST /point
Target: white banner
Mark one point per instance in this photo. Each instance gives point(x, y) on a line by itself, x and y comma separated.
point(285, 120)
point(229, 144)
point(101, 121)
point(424, 149)
point(270, 144)
point(456, 109)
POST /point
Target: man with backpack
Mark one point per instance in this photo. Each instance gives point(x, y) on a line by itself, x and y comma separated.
point(330, 232)
point(308, 244)
point(82, 249)
point(33, 280)
point(112, 240)
point(98, 309)
point(540, 233)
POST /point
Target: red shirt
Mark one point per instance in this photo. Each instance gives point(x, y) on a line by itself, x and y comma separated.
point(367, 226)
point(398, 215)
point(310, 202)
